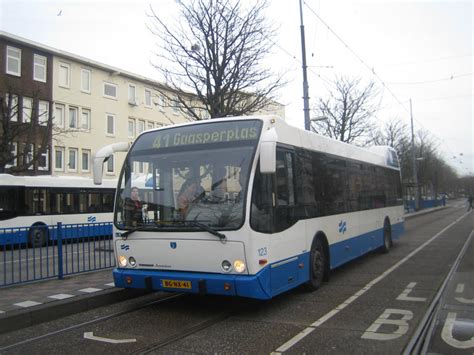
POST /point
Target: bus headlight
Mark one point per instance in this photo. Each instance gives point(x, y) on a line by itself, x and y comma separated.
point(132, 261)
point(122, 260)
point(239, 266)
point(226, 265)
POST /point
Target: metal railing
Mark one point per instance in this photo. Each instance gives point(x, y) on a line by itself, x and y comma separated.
point(44, 252)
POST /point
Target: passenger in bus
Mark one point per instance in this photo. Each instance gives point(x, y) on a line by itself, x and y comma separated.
point(133, 209)
point(190, 192)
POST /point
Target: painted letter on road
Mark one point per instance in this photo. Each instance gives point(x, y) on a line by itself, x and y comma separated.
point(400, 323)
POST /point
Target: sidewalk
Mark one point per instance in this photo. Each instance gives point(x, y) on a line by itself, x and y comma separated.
point(29, 304)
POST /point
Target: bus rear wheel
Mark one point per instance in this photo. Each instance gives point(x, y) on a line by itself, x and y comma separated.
point(38, 235)
point(317, 267)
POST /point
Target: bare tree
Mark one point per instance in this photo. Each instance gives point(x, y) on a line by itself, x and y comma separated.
point(393, 133)
point(348, 111)
point(30, 129)
point(214, 52)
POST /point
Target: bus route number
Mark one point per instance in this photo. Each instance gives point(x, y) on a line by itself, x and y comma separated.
point(262, 251)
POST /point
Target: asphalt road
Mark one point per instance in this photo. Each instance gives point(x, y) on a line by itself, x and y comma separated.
point(372, 305)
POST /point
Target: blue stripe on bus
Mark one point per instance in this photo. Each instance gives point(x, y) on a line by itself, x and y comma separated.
point(355, 247)
point(12, 236)
point(269, 282)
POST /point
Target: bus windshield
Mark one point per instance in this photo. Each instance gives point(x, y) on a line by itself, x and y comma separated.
point(185, 177)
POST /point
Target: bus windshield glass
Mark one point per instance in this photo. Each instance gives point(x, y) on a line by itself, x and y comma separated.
point(185, 177)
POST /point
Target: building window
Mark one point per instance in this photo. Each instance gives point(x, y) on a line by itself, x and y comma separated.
point(72, 117)
point(72, 163)
point(13, 113)
point(161, 102)
point(110, 164)
point(150, 125)
point(110, 124)
point(85, 119)
point(59, 158)
point(147, 97)
point(140, 127)
point(59, 116)
point(39, 68)
point(43, 113)
point(176, 106)
point(132, 95)
point(27, 109)
point(14, 151)
point(86, 155)
point(86, 80)
point(110, 90)
point(43, 162)
point(131, 128)
point(13, 61)
point(64, 75)
point(29, 150)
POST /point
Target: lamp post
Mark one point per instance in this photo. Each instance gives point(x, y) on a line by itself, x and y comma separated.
point(307, 122)
point(413, 158)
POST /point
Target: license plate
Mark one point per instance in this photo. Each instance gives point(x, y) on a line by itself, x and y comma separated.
point(176, 284)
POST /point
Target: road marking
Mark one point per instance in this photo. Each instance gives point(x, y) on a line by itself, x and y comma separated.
point(290, 343)
point(404, 295)
point(91, 336)
point(27, 304)
point(402, 325)
point(460, 289)
point(90, 290)
point(447, 333)
point(61, 296)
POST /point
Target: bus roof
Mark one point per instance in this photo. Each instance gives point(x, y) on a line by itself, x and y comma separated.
point(54, 181)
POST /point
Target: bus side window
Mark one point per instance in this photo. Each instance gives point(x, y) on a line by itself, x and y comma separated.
point(261, 213)
point(285, 191)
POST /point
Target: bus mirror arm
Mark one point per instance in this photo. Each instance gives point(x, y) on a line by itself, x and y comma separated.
point(268, 152)
point(102, 155)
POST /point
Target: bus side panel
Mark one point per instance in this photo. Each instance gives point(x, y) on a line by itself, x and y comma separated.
point(289, 273)
point(352, 248)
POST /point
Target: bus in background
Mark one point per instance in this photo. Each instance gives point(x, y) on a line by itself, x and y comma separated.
point(248, 206)
point(30, 205)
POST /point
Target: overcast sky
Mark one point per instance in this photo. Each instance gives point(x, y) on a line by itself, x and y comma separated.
point(421, 50)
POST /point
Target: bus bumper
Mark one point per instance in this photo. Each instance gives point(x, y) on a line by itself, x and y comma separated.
point(253, 286)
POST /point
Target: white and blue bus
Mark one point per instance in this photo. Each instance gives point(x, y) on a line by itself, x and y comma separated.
point(30, 205)
point(277, 207)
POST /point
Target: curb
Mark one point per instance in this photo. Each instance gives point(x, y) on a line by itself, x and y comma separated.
point(23, 318)
point(423, 212)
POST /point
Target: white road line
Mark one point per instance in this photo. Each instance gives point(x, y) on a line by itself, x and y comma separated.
point(90, 290)
point(27, 304)
point(290, 343)
point(61, 296)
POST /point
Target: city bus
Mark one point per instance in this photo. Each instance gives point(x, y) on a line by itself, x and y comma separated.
point(274, 207)
point(30, 205)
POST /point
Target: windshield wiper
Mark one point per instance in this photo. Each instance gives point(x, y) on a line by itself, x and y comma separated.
point(125, 234)
point(207, 229)
point(176, 223)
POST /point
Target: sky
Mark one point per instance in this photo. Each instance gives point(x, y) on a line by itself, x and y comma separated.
point(419, 50)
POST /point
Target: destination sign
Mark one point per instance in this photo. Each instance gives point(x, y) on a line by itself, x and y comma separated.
point(219, 132)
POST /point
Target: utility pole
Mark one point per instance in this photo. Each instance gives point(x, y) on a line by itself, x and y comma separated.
point(413, 158)
point(307, 122)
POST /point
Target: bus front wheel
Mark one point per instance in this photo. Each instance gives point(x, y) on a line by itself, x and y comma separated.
point(317, 267)
point(38, 235)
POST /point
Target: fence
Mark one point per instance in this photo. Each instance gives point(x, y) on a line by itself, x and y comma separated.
point(410, 204)
point(44, 252)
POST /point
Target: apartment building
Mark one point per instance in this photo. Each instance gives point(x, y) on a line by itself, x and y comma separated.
point(90, 104)
point(26, 87)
